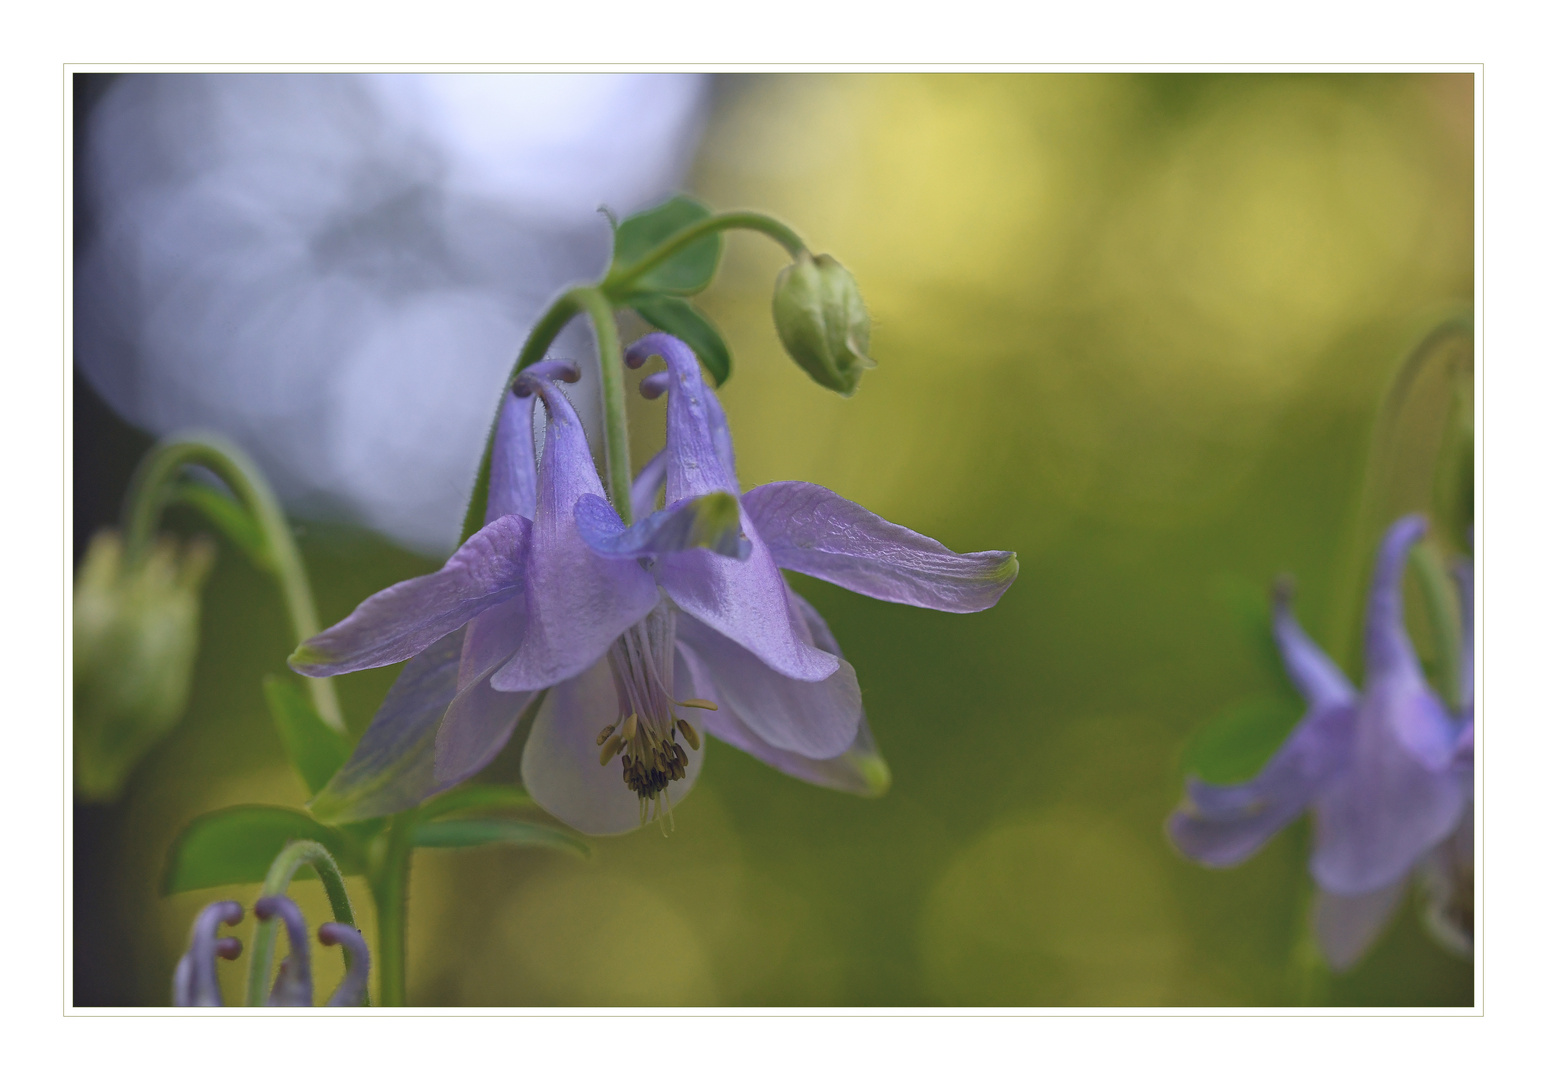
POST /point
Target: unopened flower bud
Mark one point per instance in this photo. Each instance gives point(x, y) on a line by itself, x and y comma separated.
point(135, 635)
point(821, 319)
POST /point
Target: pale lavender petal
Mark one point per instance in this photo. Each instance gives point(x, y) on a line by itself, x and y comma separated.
point(1221, 825)
point(812, 719)
point(813, 531)
point(1382, 813)
point(195, 982)
point(746, 602)
point(699, 457)
point(393, 767)
point(293, 985)
point(403, 620)
point(577, 601)
point(513, 465)
point(859, 770)
point(352, 988)
point(560, 765)
point(1314, 674)
point(1462, 572)
point(490, 640)
point(477, 725)
point(1386, 645)
point(648, 485)
point(1346, 926)
point(711, 522)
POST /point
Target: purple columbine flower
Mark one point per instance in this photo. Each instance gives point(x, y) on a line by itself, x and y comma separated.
point(639, 635)
point(1387, 774)
point(195, 982)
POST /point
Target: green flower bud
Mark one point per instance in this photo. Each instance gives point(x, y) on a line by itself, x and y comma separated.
point(821, 320)
point(136, 630)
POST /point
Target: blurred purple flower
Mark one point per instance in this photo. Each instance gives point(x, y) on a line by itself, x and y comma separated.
point(628, 628)
point(195, 982)
point(1387, 774)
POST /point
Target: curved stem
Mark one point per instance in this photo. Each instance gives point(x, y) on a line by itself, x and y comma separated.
point(151, 489)
point(620, 473)
point(296, 854)
point(389, 888)
point(1380, 467)
point(618, 281)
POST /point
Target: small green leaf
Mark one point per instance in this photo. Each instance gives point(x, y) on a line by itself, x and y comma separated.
point(476, 797)
point(474, 832)
point(235, 846)
point(680, 319)
point(1239, 740)
point(1250, 608)
point(685, 273)
point(316, 750)
point(229, 516)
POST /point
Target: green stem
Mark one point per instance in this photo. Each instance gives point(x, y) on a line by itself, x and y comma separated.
point(619, 280)
point(1381, 465)
point(389, 888)
point(620, 473)
point(296, 854)
point(153, 486)
point(1444, 619)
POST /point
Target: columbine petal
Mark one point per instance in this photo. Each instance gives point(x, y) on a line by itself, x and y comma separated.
point(195, 982)
point(1220, 825)
point(813, 719)
point(1346, 926)
point(513, 463)
point(1387, 649)
point(711, 521)
point(813, 531)
point(859, 770)
point(1378, 817)
point(699, 453)
point(559, 766)
point(1317, 678)
point(351, 989)
point(578, 602)
point(293, 984)
point(647, 485)
point(393, 767)
point(403, 620)
point(477, 724)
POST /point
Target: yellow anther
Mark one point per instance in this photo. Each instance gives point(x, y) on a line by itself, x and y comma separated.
point(700, 703)
point(606, 731)
point(611, 748)
point(631, 726)
point(687, 732)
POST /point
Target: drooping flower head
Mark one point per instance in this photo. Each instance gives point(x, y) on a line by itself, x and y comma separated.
point(1386, 774)
point(195, 982)
point(639, 636)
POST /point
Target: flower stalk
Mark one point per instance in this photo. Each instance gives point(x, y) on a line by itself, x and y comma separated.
point(296, 854)
point(155, 487)
point(389, 888)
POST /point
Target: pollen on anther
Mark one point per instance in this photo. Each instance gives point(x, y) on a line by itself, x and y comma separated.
point(631, 726)
point(611, 748)
point(687, 732)
point(605, 733)
point(699, 703)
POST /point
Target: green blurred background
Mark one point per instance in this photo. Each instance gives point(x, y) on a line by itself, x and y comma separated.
point(1134, 328)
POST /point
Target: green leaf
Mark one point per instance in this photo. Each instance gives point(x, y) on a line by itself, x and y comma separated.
point(229, 516)
point(1239, 740)
point(474, 832)
point(476, 797)
point(235, 846)
point(316, 750)
point(680, 319)
point(1250, 608)
point(685, 273)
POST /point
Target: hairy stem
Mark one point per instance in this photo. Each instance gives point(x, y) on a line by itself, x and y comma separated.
point(389, 888)
point(296, 854)
point(618, 282)
point(153, 486)
point(620, 473)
